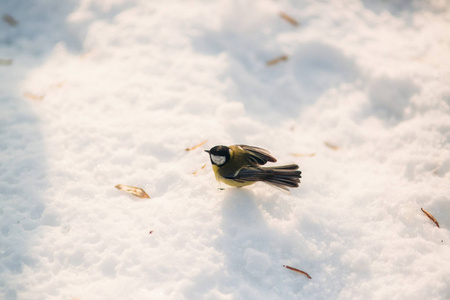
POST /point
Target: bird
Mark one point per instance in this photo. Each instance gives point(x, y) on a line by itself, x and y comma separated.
point(241, 165)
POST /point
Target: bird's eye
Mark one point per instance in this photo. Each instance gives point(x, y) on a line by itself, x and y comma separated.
point(218, 160)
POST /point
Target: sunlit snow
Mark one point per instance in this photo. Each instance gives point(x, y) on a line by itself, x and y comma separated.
point(99, 93)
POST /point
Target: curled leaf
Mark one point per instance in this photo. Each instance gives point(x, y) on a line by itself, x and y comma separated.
point(298, 271)
point(430, 216)
point(136, 191)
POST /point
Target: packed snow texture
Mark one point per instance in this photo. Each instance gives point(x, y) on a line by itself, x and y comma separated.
point(110, 92)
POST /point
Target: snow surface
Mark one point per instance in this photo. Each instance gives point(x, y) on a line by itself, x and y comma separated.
point(127, 85)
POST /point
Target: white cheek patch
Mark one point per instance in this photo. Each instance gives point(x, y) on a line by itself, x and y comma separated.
point(218, 160)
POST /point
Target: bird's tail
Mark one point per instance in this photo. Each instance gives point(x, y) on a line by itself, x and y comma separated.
point(283, 177)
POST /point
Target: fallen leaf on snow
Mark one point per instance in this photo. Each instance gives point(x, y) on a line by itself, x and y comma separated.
point(289, 19)
point(34, 96)
point(10, 20)
point(430, 216)
point(331, 146)
point(201, 168)
point(277, 60)
point(303, 154)
point(297, 270)
point(136, 191)
point(196, 146)
point(41, 96)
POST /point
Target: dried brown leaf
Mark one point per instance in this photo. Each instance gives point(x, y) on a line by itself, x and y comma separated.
point(10, 20)
point(136, 191)
point(297, 270)
point(288, 18)
point(331, 146)
point(277, 60)
point(5, 62)
point(303, 154)
point(196, 146)
point(34, 96)
point(430, 216)
point(201, 168)
point(40, 97)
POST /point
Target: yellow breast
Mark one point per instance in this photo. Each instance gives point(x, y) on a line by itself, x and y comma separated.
point(230, 182)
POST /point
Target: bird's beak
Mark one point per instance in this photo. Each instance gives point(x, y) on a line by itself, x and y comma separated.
point(207, 151)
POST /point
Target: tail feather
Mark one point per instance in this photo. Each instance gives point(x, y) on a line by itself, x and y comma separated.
point(285, 167)
point(284, 177)
point(279, 176)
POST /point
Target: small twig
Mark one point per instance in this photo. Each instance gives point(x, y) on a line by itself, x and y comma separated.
point(196, 146)
point(430, 216)
point(297, 270)
point(303, 155)
point(331, 146)
point(201, 168)
point(277, 60)
point(34, 96)
point(10, 20)
point(289, 19)
point(41, 97)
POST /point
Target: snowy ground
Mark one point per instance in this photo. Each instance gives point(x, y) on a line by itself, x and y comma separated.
point(100, 93)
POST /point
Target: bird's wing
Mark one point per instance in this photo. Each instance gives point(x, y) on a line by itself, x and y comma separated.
point(258, 155)
point(251, 174)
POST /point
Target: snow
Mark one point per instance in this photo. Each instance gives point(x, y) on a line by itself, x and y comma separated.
point(110, 92)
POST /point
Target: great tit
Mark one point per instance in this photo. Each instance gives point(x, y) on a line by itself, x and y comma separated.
point(240, 165)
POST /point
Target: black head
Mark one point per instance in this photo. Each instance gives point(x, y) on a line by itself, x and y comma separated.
point(219, 155)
